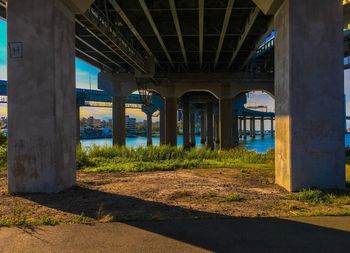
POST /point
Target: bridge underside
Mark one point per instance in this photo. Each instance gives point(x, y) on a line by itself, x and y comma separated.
point(176, 48)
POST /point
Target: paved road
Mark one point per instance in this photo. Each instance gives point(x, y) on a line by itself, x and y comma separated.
point(316, 234)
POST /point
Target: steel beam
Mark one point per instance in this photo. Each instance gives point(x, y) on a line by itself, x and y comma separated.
point(178, 29)
point(249, 23)
point(98, 51)
point(260, 41)
point(201, 30)
point(224, 29)
point(132, 28)
point(155, 30)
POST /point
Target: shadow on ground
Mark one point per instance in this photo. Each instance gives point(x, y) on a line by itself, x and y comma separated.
point(205, 230)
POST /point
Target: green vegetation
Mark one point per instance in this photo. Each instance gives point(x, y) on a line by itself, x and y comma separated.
point(3, 151)
point(327, 197)
point(232, 198)
point(163, 158)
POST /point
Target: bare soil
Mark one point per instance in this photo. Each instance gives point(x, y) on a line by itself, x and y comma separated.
point(181, 194)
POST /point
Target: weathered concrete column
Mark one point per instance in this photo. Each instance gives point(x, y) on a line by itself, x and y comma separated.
point(192, 129)
point(162, 126)
point(235, 131)
point(41, 96)
point(171, 121)
point(272, 130)
point(203, 127)
point(149, 130)
point(226, 121)
point(253, 128)
point(210, 137)
point(309, 90)
point(244, 127)
point(186, 124)
point(78, 123)
point(118, 119)
point(240, 127)
point(262, 127)
point(217, 127)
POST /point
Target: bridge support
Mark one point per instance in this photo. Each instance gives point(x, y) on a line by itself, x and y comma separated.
point(235, 131)
point(252, 134)
point(272, 129)
point(149, 130)
point(193, 129)
point(118, 120)
point(41, 97)
point(244, 128)
point(226, 119)
point(262, 127)
point(216, 127)
point(162, 125)
point(78, 123)
point(203, 127)
point(171, 121)
point(309, 90)
point(186, 124)
point(210, 137)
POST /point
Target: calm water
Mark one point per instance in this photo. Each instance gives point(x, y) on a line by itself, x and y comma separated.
point(258, 144)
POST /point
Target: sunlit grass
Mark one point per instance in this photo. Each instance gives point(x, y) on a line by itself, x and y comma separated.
point(119, 159)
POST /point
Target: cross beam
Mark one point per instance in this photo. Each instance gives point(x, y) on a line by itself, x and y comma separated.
point(249, 23)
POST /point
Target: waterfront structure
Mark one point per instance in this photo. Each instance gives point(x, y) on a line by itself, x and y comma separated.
point(130, 124)
point(170, 53)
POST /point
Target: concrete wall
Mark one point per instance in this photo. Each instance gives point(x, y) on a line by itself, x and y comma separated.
point(41, 97)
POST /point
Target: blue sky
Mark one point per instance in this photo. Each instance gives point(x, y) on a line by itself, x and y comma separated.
point(86, 77)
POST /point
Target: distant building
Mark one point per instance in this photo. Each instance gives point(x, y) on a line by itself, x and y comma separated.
point(130, 125)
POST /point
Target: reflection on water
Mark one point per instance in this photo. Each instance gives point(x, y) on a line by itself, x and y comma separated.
point(260, 145)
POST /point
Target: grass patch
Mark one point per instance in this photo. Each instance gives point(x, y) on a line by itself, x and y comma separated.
point(232, 198)
point(163, 158)
point(316, 196)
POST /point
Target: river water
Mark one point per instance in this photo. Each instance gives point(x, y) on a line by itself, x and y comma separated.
point(258, 144)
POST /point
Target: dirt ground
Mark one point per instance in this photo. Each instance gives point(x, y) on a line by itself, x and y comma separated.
point(181, 194)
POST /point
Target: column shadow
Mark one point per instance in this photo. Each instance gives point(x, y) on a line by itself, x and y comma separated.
point(214, 232)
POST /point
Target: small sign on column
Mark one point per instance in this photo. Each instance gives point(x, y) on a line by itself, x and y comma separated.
point(15, 49)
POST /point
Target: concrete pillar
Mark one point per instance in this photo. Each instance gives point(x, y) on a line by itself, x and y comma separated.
point(171, 121)
point(253, 128)
point(240, 127)
point(186, 124)
point(226, 119)
point(118, 119)
point(41, 96)
point(262, 127)
point(193, 129)
point(210, 137)
point(149, 130)
point(78, 123)
point(309, 91)
point(162, 126)
point(235, 131)
point(244, 127)
point(272, 130)
point(216, 127)
point(203, 127)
